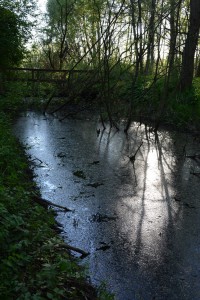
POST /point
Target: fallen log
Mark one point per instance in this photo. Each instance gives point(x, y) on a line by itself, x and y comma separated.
point(75, 249)
point(45, 203)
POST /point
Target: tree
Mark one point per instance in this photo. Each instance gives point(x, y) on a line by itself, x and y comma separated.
point(187, 70)
point(25, 11)
point(151, 39)
point(15, 29)
point(59, 42)
point(11, 49)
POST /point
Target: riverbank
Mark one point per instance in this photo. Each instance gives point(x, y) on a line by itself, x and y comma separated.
point(33, 260)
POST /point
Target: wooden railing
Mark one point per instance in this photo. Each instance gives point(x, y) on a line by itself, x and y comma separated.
point(41, 75)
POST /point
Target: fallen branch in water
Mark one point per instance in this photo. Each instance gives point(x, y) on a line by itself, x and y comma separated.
point(132, 158)
point(48, 101)
point(75, 249)
point(37, 159)
point(41, 162)
point(46, 203)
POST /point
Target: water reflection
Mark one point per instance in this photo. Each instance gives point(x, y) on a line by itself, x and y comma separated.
point(138, 220)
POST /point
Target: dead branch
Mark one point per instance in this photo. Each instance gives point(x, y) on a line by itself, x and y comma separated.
point(48, 101)
point(75, 249)
point(45, 203)
point(41, 162)
point(132, 158)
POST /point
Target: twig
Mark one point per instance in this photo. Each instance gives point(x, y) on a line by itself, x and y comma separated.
point(41, 162)
point(46, 203)
point(132, 158)
point(102, 121)
point(48, 102)
point(37, 159)
point(75, 249)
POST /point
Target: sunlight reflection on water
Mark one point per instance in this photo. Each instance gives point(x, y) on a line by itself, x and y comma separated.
point(140, 212)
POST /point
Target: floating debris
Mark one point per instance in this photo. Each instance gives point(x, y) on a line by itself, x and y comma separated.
point(98, 132)
point(195, 173)
point(80, 174)
point(103, 248)
point(188, 205)
point(95, 162)
point(61, 155)
point(101, 218)
point(184, 203)
point(177, 199)
point(95, 184)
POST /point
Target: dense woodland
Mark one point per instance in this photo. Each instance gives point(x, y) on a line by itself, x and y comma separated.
point(140, 58)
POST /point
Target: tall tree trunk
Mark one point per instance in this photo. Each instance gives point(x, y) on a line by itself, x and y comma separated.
point(187, 70)
point(198, 70)
point(151, 39)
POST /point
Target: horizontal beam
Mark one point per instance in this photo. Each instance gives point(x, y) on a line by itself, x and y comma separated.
point(37, 73)
point(49, 70)
point(37, 80)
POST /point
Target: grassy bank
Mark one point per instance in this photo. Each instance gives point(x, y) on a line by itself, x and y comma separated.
point(33, 261)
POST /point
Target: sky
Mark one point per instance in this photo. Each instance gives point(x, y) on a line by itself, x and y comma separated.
point(42, 5)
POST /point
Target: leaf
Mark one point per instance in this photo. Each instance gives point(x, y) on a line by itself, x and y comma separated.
point(50, 296)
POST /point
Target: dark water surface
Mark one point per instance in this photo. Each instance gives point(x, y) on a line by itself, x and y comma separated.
point(140, 222)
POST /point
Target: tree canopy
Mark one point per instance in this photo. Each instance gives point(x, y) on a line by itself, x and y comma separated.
point(11, 49)
point(15, 29)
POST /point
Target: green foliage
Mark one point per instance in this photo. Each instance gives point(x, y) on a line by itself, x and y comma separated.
point(184, 108)
point(24, 11)
point(11, 50)
point(103, 294)
point(13, 98)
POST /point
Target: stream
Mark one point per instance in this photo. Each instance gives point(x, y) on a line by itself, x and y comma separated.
point(139, 219)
